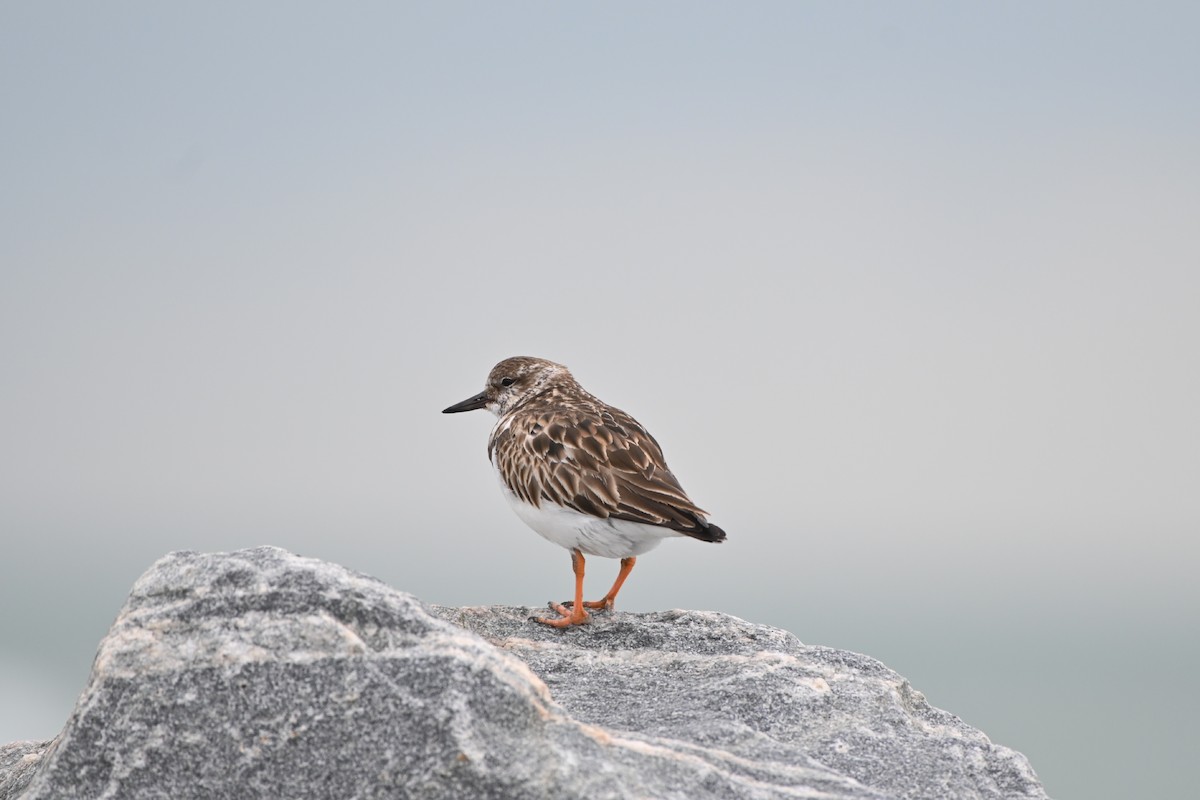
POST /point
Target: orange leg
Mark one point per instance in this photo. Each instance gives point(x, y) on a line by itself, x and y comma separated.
point(574, 615)
point(609, 599)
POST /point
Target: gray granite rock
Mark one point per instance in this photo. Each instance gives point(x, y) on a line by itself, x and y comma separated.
point(264, 674)
point(757, 693)
point(18, 760)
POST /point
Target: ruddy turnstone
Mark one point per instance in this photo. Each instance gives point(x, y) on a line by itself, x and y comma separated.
point(581, 473)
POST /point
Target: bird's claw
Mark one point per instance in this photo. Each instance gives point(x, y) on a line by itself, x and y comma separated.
point(567, 616)
point(596, 605)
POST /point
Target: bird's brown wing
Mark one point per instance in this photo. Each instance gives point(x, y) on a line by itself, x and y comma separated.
point(601, 463)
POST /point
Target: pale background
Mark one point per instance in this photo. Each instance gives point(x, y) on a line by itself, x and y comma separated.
point(908, 292)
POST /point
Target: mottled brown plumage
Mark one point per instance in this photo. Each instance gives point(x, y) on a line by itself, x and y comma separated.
point(581, 473)
point(568, 448)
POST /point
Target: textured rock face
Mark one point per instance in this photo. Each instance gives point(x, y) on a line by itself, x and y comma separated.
point(263, 674)
point(757, 693)
point(18, 761)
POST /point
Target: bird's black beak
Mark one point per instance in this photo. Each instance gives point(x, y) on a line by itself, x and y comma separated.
point(470, 404)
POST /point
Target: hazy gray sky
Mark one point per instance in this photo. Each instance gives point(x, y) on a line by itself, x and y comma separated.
point(907, 292)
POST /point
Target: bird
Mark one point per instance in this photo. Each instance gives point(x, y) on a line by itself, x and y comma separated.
point(582, 474)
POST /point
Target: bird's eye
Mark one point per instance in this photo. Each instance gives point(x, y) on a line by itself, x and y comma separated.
point(507, 382)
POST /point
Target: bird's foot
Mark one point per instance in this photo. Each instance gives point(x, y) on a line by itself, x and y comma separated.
point(567, 616)
point(603, 605)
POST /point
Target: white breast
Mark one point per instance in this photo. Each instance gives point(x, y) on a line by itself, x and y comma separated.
point(610, 538)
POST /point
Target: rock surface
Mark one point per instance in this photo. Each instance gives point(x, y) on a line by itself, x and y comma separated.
point(264, 674)
point(18, 760)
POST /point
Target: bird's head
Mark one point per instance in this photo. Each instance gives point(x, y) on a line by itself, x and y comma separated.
point(511, 382)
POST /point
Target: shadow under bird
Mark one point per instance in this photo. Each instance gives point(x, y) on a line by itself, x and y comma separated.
point(581, 473)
